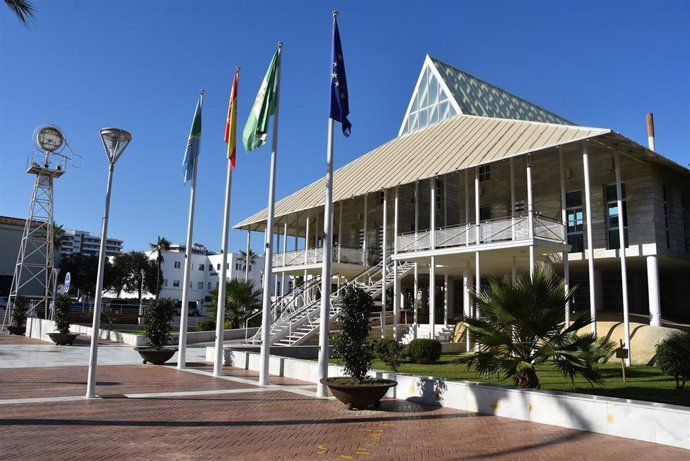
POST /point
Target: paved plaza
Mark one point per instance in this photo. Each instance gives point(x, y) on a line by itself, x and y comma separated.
point(159, 412)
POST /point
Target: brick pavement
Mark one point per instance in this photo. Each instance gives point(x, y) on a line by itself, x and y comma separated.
point(159, 412)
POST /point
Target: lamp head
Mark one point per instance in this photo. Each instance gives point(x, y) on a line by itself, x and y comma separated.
point(115, 140)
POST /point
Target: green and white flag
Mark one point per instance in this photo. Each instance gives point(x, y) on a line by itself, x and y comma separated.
point(256, 129)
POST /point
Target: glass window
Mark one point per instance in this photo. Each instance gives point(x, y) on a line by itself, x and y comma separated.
point(176, 283)
point(484, 172)
point(177, 264)
point(485, 213)
point(200, 285)
point(612, 216)
point(201, 267)
point(575, 221)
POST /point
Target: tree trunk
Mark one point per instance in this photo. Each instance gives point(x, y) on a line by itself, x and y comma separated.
point(527, 379)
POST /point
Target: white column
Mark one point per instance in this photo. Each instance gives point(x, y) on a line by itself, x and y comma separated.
point(530, 217)
point(306, 243)
point(340, 228)
point(416, 211)
point(564, 219)
point(590, 244)
point(416, 300)
point(432, 264)
point(512, 199)
point(477, 276)
point(624, 265)
point(282, 276)
point(396, 282)
point(365, 259)
point(445, 300)
point(246, 262)
point(653, 288)
point(383, 264)
point(466, 306)
point(432, 298)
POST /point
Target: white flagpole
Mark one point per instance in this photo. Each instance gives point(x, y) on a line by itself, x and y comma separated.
point(182, 347)
point(268, 246)
point(220, 310)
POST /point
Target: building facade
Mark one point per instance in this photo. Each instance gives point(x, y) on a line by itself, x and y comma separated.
point(481, 183)
point(82, 242)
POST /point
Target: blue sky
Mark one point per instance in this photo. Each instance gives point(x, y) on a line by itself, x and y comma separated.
point(139, 65)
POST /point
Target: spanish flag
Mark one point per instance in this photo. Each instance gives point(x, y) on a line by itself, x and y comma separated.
point(231, 121)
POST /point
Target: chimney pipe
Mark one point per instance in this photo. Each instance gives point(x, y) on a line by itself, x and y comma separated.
point(650, 131)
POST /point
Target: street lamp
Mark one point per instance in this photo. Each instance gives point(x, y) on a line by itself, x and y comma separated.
point(115, 141)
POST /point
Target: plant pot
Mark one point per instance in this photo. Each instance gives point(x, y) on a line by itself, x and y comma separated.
point(156, 356)
point(16, 330)
point(63, 339)
point(359, 395)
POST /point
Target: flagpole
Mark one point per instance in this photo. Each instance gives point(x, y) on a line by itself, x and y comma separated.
point(182, 347)
point(220, 310)
point(268, 253)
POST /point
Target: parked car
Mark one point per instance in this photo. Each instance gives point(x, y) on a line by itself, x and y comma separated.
point(192, 309)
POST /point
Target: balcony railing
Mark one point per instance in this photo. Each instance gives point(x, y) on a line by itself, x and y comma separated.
point(340, 254)
point(495, 230)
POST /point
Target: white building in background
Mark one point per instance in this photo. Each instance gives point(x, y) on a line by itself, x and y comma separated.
point(76, 241)
point(204, 272)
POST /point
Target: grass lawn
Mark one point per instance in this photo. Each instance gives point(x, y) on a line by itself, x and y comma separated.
point(643, 382)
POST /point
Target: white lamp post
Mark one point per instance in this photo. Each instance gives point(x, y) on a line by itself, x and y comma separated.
point(115, 141)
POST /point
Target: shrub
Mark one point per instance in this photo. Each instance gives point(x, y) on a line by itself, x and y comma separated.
point(19, 310)
point(159, 314)
point(209, 324)
point(673, 357)
point(388, 350)
point(351, 344)
point(424, 350)
point(62, 313)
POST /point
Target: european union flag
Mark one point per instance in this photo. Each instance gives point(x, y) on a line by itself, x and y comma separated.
point(340, 107)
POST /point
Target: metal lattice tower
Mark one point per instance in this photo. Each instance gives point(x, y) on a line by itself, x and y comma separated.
point(33, 273)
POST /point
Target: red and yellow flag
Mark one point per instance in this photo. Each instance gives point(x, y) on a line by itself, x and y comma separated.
point(231, 122)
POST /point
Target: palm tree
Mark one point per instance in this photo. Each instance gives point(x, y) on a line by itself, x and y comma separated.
point(522, 326)
point(58, 235)
point(23, 9)
point(241, 300)
point(246, 259)
point(162, 245)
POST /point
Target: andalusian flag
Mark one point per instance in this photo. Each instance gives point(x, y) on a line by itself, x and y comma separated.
point(193, 143)
point(256, 129)
point(231, 122)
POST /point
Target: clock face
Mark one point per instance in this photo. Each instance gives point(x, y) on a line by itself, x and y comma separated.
point(49, 138)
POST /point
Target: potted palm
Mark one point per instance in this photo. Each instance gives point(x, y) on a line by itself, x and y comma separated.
point(19, 310)
point(62, 314)
point(157, 328)
point(356, 390)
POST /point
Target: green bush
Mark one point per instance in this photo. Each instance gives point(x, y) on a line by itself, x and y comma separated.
point(157, 328)
point(673, 357)
point(351, 344)
point(388, 350)
point(424, 350)
point(62, 313)
point(19, 310)
point(209, 324)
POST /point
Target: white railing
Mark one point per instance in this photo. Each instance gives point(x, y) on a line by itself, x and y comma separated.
point(494, 230)
point(341, 254)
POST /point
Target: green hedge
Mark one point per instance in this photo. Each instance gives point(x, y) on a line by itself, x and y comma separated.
point(424, 350)
point(673, 357)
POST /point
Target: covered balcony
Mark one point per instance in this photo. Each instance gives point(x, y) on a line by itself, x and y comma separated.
point(345, 260)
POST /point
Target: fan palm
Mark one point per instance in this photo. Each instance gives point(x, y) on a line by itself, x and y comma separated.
point(241, 300)
point(522, 326)
point(23, 9)
point(162, 245)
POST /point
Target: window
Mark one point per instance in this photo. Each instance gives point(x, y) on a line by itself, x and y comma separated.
point(574, 221)
point(218, 266)
point(210, 267)
point(484, 213)
point(176, 283)
point(209, 285)
point(439, 194)
point(250, 268)
point(177, 264)
point(201, 267)
point(165, 282)
point(484, 172)
point(612, 216)
point(217, 285)
point(686, 223)
point(382, 197)
point(200, 285)
point(238, 266)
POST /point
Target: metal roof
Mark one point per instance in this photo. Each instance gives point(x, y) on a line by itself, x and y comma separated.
point(462, 142)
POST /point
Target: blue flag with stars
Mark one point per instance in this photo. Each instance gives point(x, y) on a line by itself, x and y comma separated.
point(340, 107)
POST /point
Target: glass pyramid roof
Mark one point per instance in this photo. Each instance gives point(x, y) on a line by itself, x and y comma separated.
point(444, 91)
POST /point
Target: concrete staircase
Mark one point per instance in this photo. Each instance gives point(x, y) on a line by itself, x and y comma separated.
point(443, 333)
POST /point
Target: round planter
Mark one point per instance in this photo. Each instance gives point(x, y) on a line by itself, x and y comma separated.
point(156, 356)
point(359, 395)
point(63, 339)
point(16, 330)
